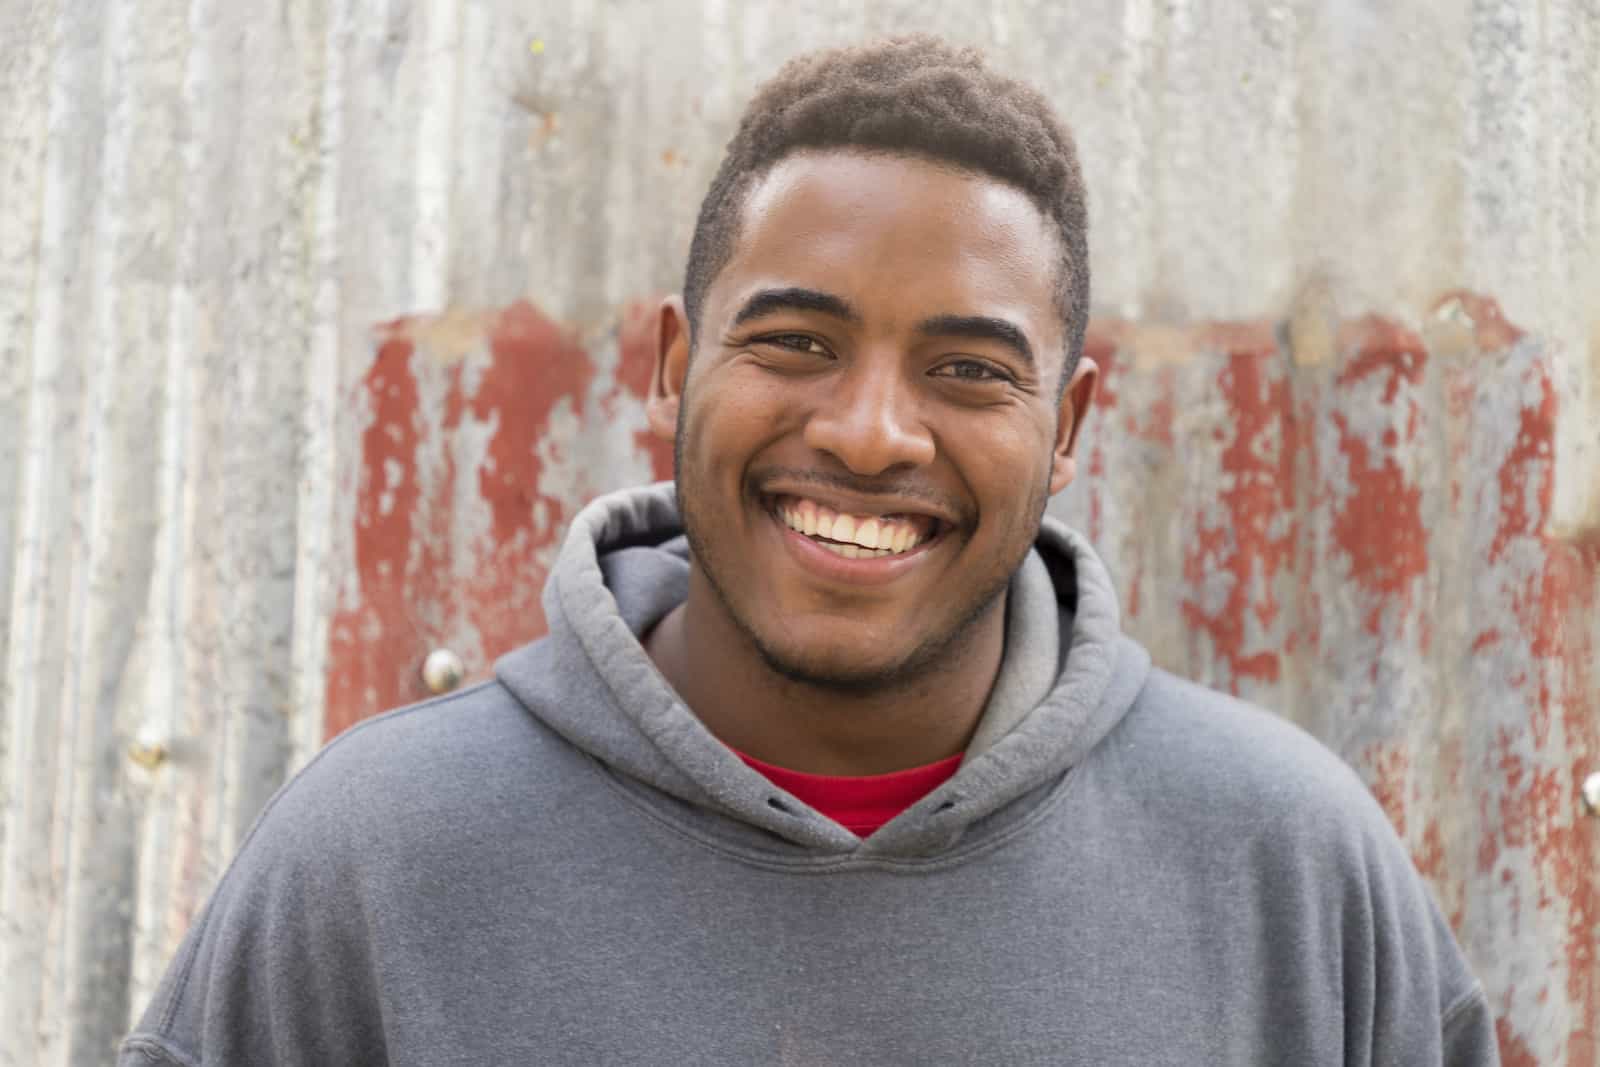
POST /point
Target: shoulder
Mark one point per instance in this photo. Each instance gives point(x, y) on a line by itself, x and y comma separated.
point(479, 727)
point(1230, 795)
point(373, 818)
point(1223, 759)
point(406, 770)
point(1231, 787)
point(383, 789)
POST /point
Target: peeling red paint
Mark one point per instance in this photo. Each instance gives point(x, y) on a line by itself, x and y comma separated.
point(1430, 859)
point(1570, 849)
point(1532, 450)
point(425, 576)
point(387, 495)
point(1390, 768)
point(1551, 605)
point(1306, 637)
point(1155, 424)
point(1382, 346)
point(1491, 331)
point(1252, 544)
point(1514, 1051)
point(535, 365)
point(1378, 526)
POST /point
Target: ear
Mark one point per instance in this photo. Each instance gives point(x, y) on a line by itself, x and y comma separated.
point(1076, 400)
point(671, 368)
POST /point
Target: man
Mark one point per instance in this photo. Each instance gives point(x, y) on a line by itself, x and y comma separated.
point(834, 753)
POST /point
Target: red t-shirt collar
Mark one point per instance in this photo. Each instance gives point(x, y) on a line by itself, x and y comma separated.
point(861, 804)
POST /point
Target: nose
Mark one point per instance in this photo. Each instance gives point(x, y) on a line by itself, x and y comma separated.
point(872, 423)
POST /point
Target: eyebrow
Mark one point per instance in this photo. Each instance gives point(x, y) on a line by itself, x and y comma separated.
point(767, 301)
point(980, 328)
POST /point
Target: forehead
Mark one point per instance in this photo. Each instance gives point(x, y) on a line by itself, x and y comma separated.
point(895, 234)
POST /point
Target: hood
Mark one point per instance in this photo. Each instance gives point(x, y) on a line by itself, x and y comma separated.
point(625, 564)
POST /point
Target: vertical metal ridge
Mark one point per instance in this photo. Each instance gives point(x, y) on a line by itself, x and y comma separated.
point(35, 666)
point(26, 60)
point(85, 970)
point(439, 65)
point(165, 888)
point(315, 561)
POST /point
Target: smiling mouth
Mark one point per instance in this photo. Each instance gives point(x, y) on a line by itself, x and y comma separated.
point(854, 536)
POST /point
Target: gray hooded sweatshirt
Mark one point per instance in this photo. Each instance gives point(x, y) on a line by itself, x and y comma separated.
point(562, 865)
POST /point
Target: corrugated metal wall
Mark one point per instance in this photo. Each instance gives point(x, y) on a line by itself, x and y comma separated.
point(274, 403)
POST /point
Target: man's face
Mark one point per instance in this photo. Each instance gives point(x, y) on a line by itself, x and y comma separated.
point(869, 429)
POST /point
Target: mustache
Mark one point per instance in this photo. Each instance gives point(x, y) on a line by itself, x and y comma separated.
point(899, 488)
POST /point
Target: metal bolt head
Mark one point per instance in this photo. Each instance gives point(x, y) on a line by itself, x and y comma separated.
point(149, 748)
point(442, 671)
point(1591, 793)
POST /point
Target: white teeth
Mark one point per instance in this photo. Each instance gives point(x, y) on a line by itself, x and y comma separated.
point(867, 537)
point(856, 551)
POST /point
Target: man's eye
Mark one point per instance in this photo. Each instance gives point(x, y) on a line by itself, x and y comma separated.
point(794, 342)
point(972, 370)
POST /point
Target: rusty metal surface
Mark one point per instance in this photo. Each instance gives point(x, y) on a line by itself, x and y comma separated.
point(481, 436)
point(202, 574)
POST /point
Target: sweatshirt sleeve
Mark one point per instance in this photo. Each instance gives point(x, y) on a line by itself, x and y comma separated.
point(275, 970)
point(1426, 1006)
point(1469, 1039)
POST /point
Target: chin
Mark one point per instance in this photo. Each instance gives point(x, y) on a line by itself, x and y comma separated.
point(827, 666)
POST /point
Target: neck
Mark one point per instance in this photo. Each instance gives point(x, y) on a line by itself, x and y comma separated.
point(728, 684)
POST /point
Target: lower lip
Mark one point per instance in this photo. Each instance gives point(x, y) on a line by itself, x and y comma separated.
point(872, 570)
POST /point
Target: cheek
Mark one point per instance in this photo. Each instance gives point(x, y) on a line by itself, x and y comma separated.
point(1008, 462)
point(727, 426)
point(731, 419)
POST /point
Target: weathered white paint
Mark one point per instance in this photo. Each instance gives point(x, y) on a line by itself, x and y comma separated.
point(204, 208)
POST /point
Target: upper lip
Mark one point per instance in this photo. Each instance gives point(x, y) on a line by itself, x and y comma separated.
point(869, 504)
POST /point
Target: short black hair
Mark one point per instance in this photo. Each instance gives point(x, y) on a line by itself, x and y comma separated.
point(916, 96)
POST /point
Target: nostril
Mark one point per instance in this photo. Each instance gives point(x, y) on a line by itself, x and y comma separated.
point(777, 804)
point(871, 438)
